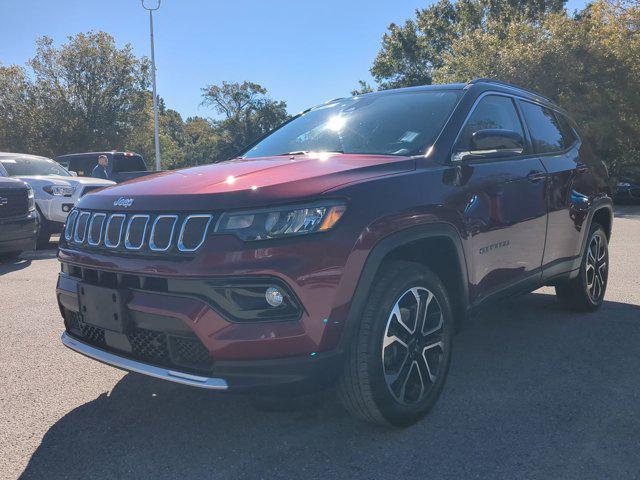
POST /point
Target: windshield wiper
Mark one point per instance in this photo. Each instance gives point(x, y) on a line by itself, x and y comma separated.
point(295, 152)
point(307, 152)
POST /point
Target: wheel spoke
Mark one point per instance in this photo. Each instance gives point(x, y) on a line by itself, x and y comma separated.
point(431, 371)
point(398, 381)
point(602, 251)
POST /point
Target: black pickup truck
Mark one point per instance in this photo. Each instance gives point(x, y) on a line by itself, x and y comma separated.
point(123, 166)
point(18, 219)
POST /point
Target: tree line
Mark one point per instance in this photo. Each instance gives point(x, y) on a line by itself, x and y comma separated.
point(587, 61)
point(88, 94)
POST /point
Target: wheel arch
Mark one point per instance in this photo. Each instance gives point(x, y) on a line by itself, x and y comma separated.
point(435, 245)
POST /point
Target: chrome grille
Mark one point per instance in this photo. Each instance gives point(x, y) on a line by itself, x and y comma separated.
point(138, 232)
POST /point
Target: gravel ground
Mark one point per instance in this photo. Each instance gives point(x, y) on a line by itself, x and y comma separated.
point(533, 392)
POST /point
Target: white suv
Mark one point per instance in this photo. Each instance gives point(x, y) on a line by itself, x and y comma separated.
point(56, 189)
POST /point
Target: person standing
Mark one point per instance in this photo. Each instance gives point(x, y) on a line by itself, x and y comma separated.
point(100, 170)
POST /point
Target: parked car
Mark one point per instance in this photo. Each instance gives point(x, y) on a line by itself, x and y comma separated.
point(123, 166)
point(18, 219)
point(56, 190)
point(343, 248)
point(627, 193)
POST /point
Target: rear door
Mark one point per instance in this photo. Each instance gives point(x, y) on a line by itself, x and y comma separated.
point(504, 205)
point(557, 145)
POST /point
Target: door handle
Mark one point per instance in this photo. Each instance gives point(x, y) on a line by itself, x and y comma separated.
point(536, 176)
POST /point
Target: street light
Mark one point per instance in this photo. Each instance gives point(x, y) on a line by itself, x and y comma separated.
point(153, 72)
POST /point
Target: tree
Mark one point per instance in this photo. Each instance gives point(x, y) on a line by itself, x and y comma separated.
point(247, 114)
point(17, 112)
point(363, 87)
point(590, 65)
point(411, 52)
point(90, 92)
point(87, 94)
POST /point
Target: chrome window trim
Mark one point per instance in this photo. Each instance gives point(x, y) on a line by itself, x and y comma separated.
point(76, 239)
point(456, 159)
point(127, 244)
point(152, 244)
point(70, 224)
point(106, 230)
point(181, 246)
point(93, 217)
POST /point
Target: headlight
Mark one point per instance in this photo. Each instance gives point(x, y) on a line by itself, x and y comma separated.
point(31, 201)
point(59, 190)
point(281, 222)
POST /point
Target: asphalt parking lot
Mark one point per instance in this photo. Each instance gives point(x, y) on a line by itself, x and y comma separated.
point(533, 392)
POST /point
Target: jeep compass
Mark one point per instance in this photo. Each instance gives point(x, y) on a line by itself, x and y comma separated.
point(341, 249)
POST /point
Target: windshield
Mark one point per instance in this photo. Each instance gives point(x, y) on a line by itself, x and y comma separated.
point(25, 166)
point(402, 123)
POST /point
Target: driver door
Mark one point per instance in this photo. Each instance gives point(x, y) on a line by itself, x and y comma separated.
point(502, 202)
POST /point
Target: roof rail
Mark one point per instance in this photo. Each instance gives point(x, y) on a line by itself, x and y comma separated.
point(506, 84)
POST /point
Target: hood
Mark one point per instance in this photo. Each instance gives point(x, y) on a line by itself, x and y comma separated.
point(11, 183)
point(42, 180)
point(243, 182)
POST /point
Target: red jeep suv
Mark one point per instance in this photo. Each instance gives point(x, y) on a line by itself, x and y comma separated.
point(342, 248)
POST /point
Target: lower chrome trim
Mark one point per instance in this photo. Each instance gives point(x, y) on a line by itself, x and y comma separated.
point(143, 368)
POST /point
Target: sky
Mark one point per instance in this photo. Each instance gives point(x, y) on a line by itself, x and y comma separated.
point(303, 52)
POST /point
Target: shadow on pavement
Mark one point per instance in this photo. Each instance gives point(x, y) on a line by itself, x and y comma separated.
point(14, 266)
point(533, 392)
point(26, 258)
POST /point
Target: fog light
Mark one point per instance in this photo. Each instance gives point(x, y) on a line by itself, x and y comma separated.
point(274, 296)
point(67, 207)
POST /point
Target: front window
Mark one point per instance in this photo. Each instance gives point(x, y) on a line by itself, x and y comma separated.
point(26, 166)
point(402, 123)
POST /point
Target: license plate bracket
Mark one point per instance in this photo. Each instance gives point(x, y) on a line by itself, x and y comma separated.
point(104, 307)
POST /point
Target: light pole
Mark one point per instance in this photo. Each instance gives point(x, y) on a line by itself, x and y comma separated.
point(153, 73)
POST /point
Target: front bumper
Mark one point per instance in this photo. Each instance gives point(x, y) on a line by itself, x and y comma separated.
point(18, 233)
point(183, 338)
point(139, 367)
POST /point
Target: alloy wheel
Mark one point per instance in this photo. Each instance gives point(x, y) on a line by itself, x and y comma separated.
point(413, 348)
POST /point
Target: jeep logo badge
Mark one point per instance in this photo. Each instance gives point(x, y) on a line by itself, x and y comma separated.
point(123, 202)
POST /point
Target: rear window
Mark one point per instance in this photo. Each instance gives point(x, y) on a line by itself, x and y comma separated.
point(128, 163)
point(544, 128)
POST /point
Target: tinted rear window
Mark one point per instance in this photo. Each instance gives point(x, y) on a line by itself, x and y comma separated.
point(128, 163)
point(544, 128)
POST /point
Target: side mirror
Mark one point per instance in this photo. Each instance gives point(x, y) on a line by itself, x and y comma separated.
point(492, 143)
point(73, 174)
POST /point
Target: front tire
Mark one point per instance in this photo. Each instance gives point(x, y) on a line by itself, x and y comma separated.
point(585, 293)
point(400, 356)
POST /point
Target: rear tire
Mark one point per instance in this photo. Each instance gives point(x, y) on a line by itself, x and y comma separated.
point(44, 235)
point(399, 359)
point(585, 293)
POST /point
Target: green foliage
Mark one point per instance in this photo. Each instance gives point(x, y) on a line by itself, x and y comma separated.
point(248, 114)
point(590, 65)
point(411, 52)
point(89, 95)
point(363, 87)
